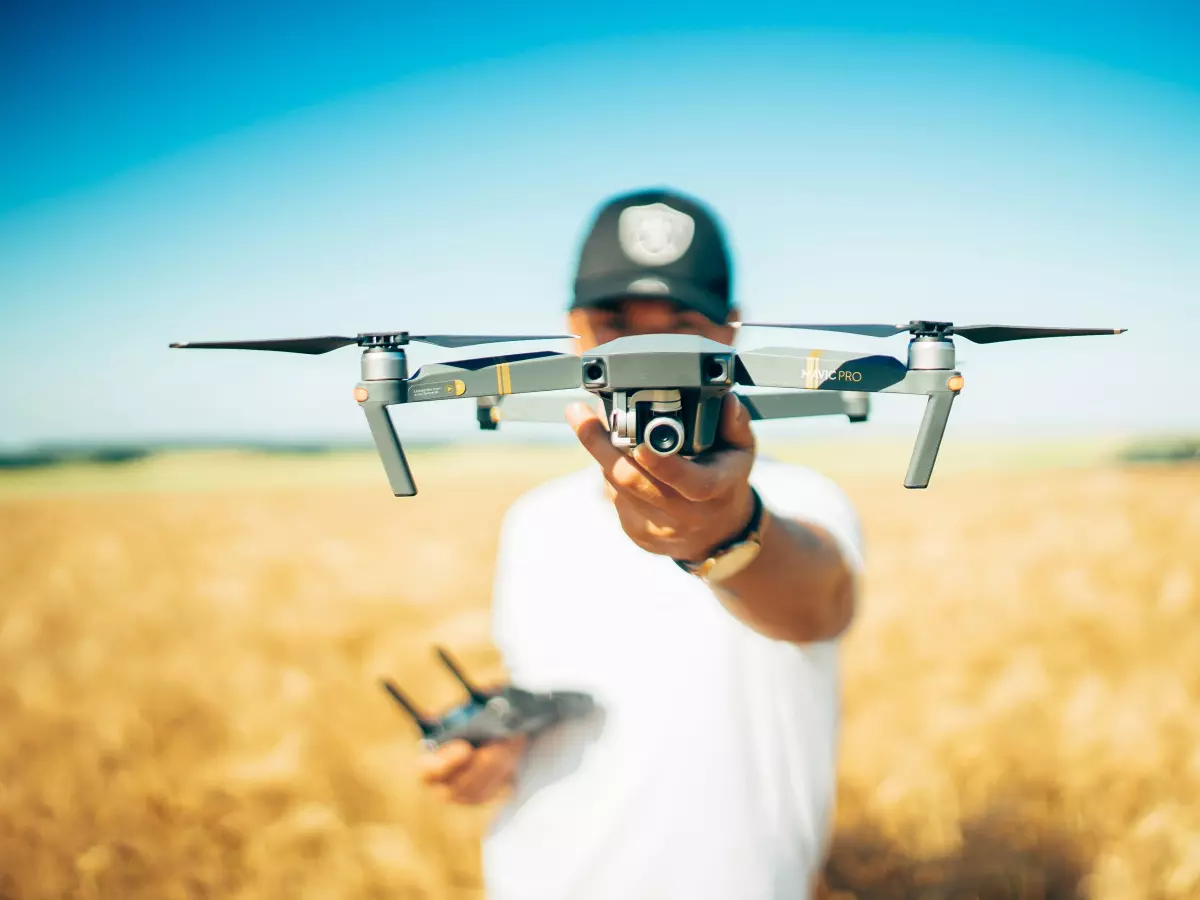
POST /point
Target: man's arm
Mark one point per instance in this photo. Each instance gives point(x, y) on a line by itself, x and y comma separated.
point(800, 587)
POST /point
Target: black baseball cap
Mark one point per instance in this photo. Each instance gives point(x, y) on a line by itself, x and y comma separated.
point(657, 244)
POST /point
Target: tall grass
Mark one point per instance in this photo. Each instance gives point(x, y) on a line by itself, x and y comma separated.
point(189, 707)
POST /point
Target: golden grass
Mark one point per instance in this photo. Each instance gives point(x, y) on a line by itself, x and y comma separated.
point(189, 707)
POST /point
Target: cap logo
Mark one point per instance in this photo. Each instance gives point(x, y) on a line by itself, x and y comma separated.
point(648, 286)
point(656, 234)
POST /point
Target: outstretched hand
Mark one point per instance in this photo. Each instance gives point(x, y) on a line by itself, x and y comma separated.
point(670, 505)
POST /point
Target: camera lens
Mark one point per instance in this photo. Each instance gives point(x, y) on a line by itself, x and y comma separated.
point(664, 436)
point(593, 372)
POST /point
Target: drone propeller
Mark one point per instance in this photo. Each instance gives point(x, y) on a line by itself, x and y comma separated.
point(315, 345)
point(869, 330)
point(994, 334)
point(979, 334)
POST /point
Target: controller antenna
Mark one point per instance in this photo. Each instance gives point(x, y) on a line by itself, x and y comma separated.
point(476, 694)
point(428, 726)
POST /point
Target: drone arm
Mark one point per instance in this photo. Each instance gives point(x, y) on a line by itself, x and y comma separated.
point(548, 407)
point(496, 376)
point(929, 439)
point(794, 404)
point(824, 370)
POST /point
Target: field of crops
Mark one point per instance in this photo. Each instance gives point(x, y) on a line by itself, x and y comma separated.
point(189, 651)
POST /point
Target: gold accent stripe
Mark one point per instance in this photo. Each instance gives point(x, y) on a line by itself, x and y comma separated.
point(503, 379)
point(812, 370)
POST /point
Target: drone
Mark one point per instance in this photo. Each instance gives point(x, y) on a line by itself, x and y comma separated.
point(666, 390)
point(491, 715)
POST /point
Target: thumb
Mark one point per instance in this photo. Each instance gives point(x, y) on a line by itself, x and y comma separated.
point(735, 424)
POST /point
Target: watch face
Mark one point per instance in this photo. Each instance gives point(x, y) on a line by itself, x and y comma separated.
point(732, 561)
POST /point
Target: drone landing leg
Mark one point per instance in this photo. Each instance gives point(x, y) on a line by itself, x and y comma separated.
point(929, 439)
point(388, 445)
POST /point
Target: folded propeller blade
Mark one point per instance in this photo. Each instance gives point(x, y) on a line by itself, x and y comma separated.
point(875, 330)
point(310, 345)
point(315, 345)
point(992, 334)
point(980, 334)
point(467, 340)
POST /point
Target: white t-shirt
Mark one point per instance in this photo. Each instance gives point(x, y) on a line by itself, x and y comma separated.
point(708, 771)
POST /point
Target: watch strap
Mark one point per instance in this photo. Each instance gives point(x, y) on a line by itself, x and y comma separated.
point(742, 536)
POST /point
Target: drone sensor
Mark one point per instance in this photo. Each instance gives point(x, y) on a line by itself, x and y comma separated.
point(716, 370)
point(593, 372)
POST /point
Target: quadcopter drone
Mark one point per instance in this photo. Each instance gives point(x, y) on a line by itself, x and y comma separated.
point(666, 390)
point(491, 715)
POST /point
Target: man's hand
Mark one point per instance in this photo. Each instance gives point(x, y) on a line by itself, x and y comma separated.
point(798, 589)
point(670, 505)
point(465, 774)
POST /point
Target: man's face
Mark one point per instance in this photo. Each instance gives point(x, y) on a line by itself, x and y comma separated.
point(643, 316)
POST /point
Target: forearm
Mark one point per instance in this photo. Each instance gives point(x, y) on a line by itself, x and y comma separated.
point(799, 587)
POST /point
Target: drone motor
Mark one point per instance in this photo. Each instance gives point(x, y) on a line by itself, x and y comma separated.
point(930, 352)
point(384, 364)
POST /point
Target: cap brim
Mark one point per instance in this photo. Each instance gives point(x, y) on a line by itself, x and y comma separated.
point(651, 286)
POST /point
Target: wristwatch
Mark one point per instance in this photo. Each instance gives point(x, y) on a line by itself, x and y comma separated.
point(729, 558)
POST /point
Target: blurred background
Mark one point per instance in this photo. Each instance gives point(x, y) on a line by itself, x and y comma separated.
point(193, 610)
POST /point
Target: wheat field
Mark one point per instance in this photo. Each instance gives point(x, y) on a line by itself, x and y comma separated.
point(189, 651)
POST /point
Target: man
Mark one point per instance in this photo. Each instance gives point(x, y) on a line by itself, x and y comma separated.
point(708, 770)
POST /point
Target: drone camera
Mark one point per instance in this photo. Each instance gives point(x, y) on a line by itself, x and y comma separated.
point(593, 372)
point(664, 435)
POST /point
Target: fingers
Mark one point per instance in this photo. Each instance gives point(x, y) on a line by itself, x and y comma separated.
point(593, 433)
point(648, 526)
point(446, 762)
point(665, 481)
point(735, 423)
point(466, 774)
point(690, 479)
point(619, 469)
point(482, 780)
point(721, 471)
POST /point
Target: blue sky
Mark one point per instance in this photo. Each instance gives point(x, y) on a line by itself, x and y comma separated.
point(187, 173)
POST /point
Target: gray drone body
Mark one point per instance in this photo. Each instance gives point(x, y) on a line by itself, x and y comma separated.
point(666, 390)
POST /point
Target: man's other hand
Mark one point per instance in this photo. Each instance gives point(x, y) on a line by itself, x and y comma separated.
point(465, 774)
point(670, 505)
